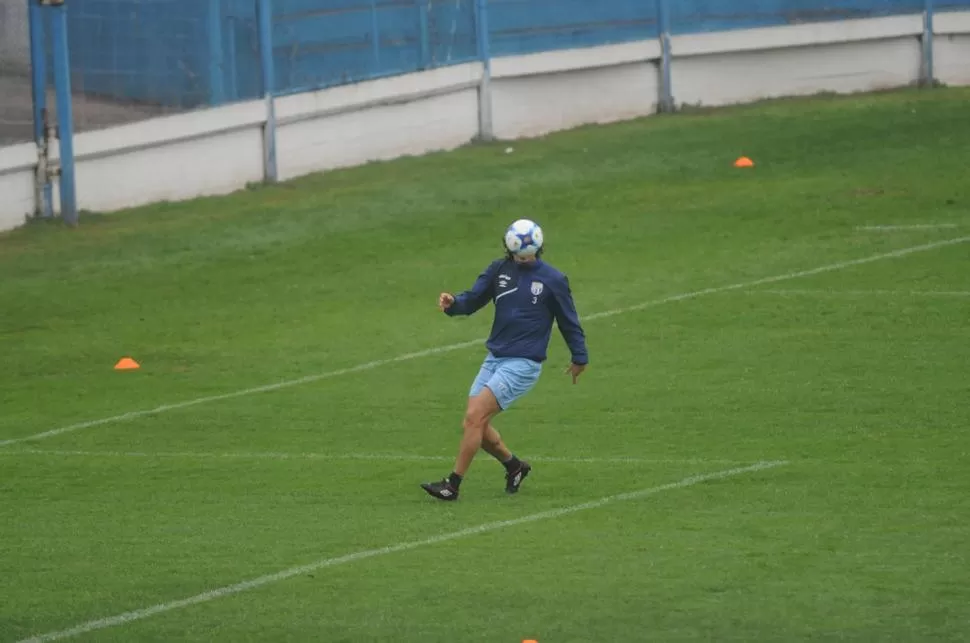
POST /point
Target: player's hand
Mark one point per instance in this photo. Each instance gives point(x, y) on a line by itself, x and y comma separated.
point(445, 300)
point(575, 370)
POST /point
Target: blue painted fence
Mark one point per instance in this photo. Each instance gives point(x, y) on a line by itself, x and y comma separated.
point(722, 15)
point(188, 53)
point(529, 26)
point(157, 51)
point(334, 42)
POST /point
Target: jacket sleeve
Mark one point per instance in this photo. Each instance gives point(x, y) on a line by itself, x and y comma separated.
point(477, 296)
point(568, 321)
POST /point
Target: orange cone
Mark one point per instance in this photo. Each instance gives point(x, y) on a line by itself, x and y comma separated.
point(744, 161)
point(126, 364)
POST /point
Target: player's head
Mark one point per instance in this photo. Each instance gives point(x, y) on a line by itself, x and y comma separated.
point(523, 241)
point(524, 258)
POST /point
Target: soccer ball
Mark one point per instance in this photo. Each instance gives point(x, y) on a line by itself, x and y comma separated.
point(523, 238)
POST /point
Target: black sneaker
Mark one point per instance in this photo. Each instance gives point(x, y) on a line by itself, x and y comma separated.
point(513, 479)
point(442, 490)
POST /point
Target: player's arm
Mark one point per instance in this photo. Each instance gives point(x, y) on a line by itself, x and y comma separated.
point(567, 319)
point(473, 299)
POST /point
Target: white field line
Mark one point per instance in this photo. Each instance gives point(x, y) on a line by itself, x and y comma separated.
point(131, 415)
point(453, 347)
point(832, 267)
point(863, 293)
point(380, 457)
point(915, 226)
point(228, 590)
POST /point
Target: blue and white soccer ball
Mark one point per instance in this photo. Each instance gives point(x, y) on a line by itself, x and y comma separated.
point(524, 238)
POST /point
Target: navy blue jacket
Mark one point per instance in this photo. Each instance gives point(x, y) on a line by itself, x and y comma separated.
point(527, 298)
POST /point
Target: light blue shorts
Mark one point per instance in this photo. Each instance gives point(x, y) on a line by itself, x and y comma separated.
point(509, 378)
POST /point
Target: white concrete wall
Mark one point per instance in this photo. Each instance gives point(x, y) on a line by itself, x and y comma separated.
point(220, 150)
point(183, 156)
point(951, 48)
point(952, 59)
point(749, 76)
point(538, 105)
point(377, 120)
point(850, 56)
point(537, 94)
point(17, 164)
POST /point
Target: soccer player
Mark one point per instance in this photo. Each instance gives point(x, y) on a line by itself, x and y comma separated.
point(528, 294)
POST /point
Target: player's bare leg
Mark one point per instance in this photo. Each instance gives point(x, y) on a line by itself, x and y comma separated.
point(479, 413)
point(492, 444)
point(481, 409)
point(515, 470)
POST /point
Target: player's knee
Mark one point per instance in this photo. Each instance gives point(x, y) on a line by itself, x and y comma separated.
point(474, 422)
point(480, 410)
point(476, 418)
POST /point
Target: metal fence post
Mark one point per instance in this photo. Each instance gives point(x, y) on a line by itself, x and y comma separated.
point(264, 9)
point(43, 190)
point(666, 102)
point(926, 72)
point(217, 89)
point(485, 131)
point(375, 27)
point(65, 117)
point(232, 71)
point(425, 60)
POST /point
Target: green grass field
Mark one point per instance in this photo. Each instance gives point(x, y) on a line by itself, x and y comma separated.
point(291, 399)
